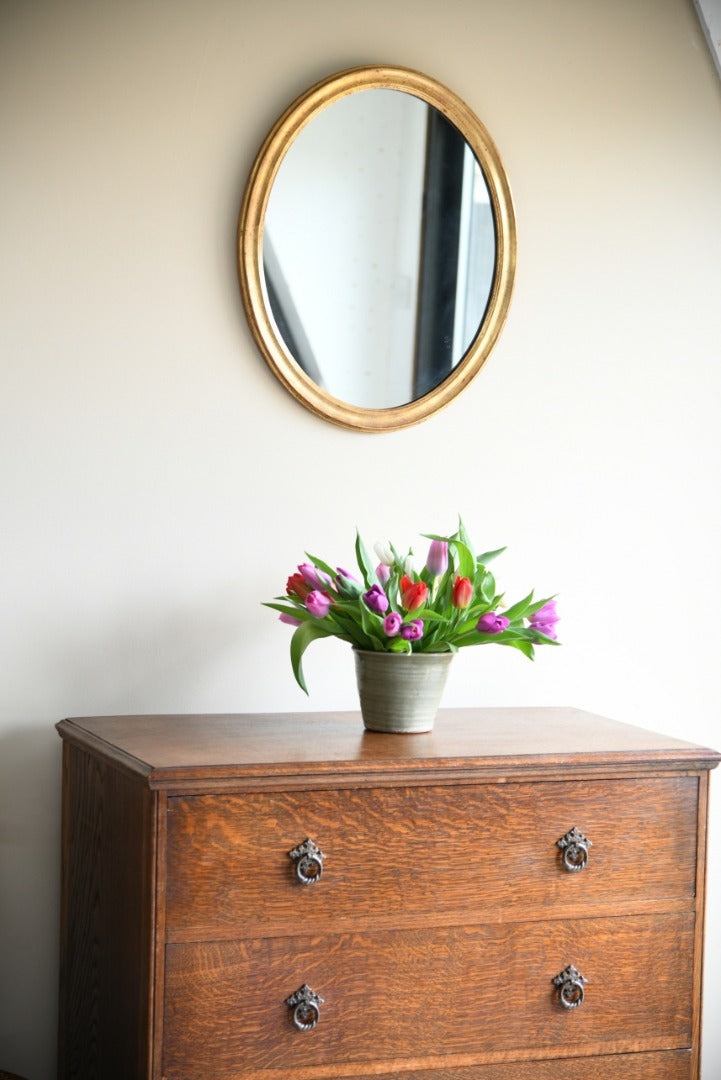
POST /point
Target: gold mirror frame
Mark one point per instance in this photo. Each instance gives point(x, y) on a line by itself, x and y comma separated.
point(250, 245)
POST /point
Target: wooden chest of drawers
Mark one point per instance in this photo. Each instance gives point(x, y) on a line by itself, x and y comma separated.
point(431, 926)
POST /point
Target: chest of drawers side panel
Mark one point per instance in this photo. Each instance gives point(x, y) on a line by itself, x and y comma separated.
point(107, 921)
point(703, 800)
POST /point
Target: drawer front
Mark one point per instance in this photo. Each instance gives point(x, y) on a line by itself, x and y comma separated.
point(466, 850)
point(427, 997)
point(666, 1065)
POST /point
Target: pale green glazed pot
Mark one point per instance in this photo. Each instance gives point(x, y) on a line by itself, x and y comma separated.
point(400, 692)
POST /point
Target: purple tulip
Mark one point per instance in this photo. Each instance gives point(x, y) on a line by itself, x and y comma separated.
point(346, 584)
point(437, 561)
point(376, 599)
point(412, 630)
point(392, 624)
point(544, 620)
point(490, 623)
point(289, 619)
point(383, 573)
point(315, 578)
point(318, 604)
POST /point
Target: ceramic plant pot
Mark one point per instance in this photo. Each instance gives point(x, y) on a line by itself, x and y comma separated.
point(400, 692)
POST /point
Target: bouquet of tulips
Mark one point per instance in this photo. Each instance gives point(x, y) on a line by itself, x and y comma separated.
point(453, 601)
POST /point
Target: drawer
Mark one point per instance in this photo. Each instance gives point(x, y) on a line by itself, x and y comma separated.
point(428, 998)
point(466, 852)
point(665, 1065)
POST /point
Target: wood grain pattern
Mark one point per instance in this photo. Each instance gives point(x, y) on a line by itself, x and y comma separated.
point(668, 1065)
point(412, 994)
point(474, 851)
point(663, 1065)
point(106, 922)
point(442, 915)
point(175, 751)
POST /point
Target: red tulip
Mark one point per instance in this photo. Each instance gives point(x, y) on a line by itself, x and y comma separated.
point(413, 593)
point(462, 592)
point(298, 586)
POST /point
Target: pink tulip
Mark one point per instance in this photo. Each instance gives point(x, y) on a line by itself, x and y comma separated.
point(412, 630)
point(437, 561)
point(318, 604)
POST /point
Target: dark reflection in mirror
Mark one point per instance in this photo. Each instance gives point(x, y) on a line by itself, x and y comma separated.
point(379, 248)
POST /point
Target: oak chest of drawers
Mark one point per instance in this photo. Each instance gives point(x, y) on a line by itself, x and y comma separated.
point(515, 896)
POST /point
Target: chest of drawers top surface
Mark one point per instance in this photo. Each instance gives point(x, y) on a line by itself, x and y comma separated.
point(170, 751)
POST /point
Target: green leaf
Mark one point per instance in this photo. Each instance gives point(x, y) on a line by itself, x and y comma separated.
point(289, 609)
point(365, 564)
point(487, 587)
point(427, 614)
point(465, 540)
point(521, 609)
point(441, 647)
point(465, 563)
point(487, 556)
point(320, 565)
point(523, 646)
point(300, 641)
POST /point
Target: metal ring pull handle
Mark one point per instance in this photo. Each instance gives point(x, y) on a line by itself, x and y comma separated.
point(574, 846)
point(570, 985)
point(305, 1004)
point(308, 861)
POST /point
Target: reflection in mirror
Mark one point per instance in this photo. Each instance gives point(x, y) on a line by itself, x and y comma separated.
point(379, 214)
point(376, 247)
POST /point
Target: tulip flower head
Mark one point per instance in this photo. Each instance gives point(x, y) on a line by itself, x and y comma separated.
point(545, 619)
point(392, 624)
point(318, 604)
point(437, 561)
point(413, 630)
point(462, 592)
point(296, 585)
point(383, 573)
point(384, 552)
point(376, 599)
point(413, 593)
point(490, 623)
point(317, 579)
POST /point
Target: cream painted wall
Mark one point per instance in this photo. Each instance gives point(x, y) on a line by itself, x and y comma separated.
point(157, 483)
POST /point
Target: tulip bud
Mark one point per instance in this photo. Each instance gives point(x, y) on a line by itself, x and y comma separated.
point(413, 630)
point(347, 585)
point(545, 619)
point(315, 578)
point(490, 623)
point(384, 553)
point(414, 594)
point(462, 592)
point(289, 619)
point(383, 573)
point(318, 604)
point(437, 561)
point(376, 599)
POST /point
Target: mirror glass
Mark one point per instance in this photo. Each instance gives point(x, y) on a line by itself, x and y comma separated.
point(376, 247)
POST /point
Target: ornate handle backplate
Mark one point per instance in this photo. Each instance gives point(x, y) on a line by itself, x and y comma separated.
point(570, 985)
point(305, 1004)
point(574, 846)
point(308, 861)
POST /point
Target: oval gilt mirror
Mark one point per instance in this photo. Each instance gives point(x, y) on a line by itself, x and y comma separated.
point(376, 247)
